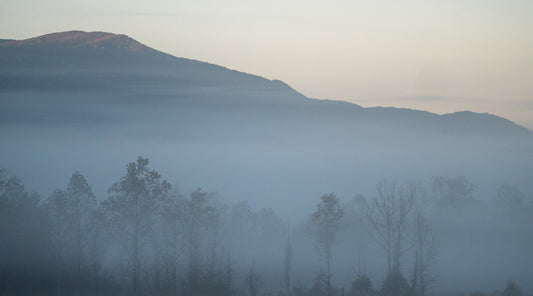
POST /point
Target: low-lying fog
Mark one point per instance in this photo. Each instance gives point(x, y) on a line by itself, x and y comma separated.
point(261, 181)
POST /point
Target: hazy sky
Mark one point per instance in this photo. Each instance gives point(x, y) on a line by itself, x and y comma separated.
point(436, 55)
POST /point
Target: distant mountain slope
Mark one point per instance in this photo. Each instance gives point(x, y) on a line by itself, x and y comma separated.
point(121, 69)
point(82, 61)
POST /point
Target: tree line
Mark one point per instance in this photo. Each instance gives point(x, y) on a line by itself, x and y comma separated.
point(146, 238)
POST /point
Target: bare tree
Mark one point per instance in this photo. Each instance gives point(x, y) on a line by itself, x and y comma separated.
point(425, 255)
point(388, 213)
point(326, 220)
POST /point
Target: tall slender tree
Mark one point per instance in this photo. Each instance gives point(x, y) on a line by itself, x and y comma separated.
point(82, 203)
point(170, 244)
point(424, 254)
point(326, 220)
point(131, 209)
point(388, 213)
point(58, 208)
point(200, 216)
point(97, 231)
point(287, 261)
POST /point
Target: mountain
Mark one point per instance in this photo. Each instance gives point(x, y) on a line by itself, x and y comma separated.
point(80, 61)
point(87, 62)
point(93, 101)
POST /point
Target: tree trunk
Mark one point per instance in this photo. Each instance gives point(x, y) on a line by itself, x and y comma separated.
point(78, 250)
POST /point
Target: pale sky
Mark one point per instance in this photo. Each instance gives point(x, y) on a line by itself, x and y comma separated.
point(435, 55)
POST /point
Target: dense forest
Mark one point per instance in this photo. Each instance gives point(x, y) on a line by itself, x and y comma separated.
point(148, 238)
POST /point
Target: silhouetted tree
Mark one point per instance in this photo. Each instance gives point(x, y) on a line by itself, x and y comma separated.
point(512, 289)
point(253, 282)
point(200, 216)
point(318, 289)
point(287, 261)
point(326, 221)
point(131, 209)
point(424, 255)
point(395, 285)
point(81, 203)
point(455, 191)
point(228, 275)
point(61, 216)
point(355, 220)
point(171, 242)
point(361, 286)
point(388, 213)
point(509, 196)
point(25, 240)
point(241, 219)
point(96, 233)
point(477, 293)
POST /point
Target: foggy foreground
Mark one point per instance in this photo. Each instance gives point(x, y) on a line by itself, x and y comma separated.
point(428, 237)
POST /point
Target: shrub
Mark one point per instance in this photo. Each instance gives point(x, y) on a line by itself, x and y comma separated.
point(512, 289)
point(396, 285)
point(361, 286)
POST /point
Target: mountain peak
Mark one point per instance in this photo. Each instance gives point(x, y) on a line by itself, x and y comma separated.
point(82, 39)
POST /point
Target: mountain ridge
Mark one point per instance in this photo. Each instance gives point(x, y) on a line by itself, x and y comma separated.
point(92, 59)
